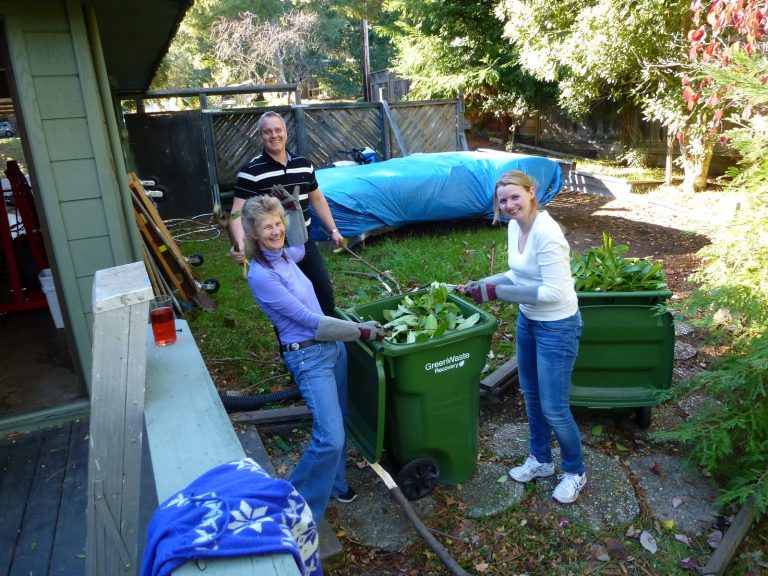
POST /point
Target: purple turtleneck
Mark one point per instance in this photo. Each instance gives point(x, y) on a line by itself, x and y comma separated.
point(285, 294)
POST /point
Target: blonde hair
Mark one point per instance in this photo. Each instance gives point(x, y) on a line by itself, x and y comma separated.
point(253, 211)
point(512, 178)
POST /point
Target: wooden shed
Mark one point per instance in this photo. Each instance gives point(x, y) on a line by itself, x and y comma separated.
point(62, 61)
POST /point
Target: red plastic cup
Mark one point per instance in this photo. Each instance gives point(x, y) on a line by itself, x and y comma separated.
point(163, 320)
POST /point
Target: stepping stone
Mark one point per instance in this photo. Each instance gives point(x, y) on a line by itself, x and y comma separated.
point(374, 518)
point(510, 441)
point(485, 496)
point(670, 481)
point(684, 351)
point(694, 402)
point(609, 499)
point(682, 328)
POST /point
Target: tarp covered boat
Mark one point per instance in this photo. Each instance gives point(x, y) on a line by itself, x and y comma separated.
point(424, 188)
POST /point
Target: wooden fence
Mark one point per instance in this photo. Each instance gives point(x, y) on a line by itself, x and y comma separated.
point(321, 132)
point(228, 137)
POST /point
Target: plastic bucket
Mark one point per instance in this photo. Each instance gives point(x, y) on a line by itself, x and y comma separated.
point(46, 281)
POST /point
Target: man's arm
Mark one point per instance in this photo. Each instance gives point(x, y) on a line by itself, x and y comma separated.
point(237, 252)
point(323, 211)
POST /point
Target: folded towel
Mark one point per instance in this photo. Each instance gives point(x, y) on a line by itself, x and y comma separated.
point(235, 509)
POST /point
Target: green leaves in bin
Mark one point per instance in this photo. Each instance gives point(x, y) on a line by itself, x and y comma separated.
point(604, 269)
point(425, 316)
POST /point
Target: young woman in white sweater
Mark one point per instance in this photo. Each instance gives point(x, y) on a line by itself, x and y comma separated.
point(548, 331)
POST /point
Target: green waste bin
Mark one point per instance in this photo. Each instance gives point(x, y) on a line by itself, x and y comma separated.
point(626, 352)
point(419, 401)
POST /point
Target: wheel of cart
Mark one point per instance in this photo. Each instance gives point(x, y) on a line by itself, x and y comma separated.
point(419, 402)
point(210, 285)
point(643, 417)
point(418, 478)
point(194, 259)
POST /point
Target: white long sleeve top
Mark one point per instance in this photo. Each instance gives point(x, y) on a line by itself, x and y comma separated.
point(544, 263)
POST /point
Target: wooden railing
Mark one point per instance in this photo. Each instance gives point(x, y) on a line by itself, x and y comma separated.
point(187, 429)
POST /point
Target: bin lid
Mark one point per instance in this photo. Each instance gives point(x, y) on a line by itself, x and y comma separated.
point(367, 386)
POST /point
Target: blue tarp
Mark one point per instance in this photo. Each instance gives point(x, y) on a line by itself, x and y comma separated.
point(425, 188)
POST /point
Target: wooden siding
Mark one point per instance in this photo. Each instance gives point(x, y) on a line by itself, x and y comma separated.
point(69, 153)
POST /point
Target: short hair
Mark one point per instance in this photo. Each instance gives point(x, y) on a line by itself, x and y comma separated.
point(511, 178)
point(252, 212)
point(270, 114)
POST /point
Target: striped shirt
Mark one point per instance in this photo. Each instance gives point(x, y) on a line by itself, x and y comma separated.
point(260, 174)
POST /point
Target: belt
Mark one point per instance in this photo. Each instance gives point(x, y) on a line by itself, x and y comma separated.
point(297, 345)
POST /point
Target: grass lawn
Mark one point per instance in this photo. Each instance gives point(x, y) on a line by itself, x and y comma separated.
point(619, 170)
point(11, 149)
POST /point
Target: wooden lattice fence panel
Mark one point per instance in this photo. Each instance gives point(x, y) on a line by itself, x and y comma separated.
point(425, 127)
point(237, 141)
point(331, 129)
point(428, 126)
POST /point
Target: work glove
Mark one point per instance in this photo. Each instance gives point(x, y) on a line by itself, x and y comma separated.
point(483, 292)
point(372, 330)
point(468, 287)
point(290, 202)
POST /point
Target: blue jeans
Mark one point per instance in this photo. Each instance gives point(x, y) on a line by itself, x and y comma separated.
point(321, 373)
point(546, 353)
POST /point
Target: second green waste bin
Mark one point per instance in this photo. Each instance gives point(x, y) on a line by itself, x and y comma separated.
point(419, 401)
point(626, 352)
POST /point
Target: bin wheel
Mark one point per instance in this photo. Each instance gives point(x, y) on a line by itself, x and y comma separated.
point(210, 285)
point(417, 478)
point(195, 259)
point(643, 417)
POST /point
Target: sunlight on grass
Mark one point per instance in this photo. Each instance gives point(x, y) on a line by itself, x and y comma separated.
point(619, 170)
point(11, 149)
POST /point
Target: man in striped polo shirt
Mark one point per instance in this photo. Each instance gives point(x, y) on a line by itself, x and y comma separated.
point(274, 166)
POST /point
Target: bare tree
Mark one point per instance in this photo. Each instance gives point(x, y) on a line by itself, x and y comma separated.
point(264, 51)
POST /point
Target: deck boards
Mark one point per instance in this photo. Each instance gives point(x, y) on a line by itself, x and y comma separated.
point(38, 525)
point(68, 552)
point(42, 501)
point(18, 468)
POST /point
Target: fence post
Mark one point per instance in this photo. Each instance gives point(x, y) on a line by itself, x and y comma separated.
point(385, 141)
point(210, 149)
point(461, 138)
point(395, 128)
point(121, 298)
point(301, 129)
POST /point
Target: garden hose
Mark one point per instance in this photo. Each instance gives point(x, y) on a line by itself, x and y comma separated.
point(422, 530)
point(248, 403)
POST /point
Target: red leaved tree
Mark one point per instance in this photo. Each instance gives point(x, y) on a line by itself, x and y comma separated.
point(728, 27)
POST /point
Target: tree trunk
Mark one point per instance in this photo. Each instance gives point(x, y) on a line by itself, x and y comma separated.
point(696, 159)
point(670, 154)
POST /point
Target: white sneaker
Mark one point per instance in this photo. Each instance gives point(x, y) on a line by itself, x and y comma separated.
point(531, 469)
point(570, 486)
